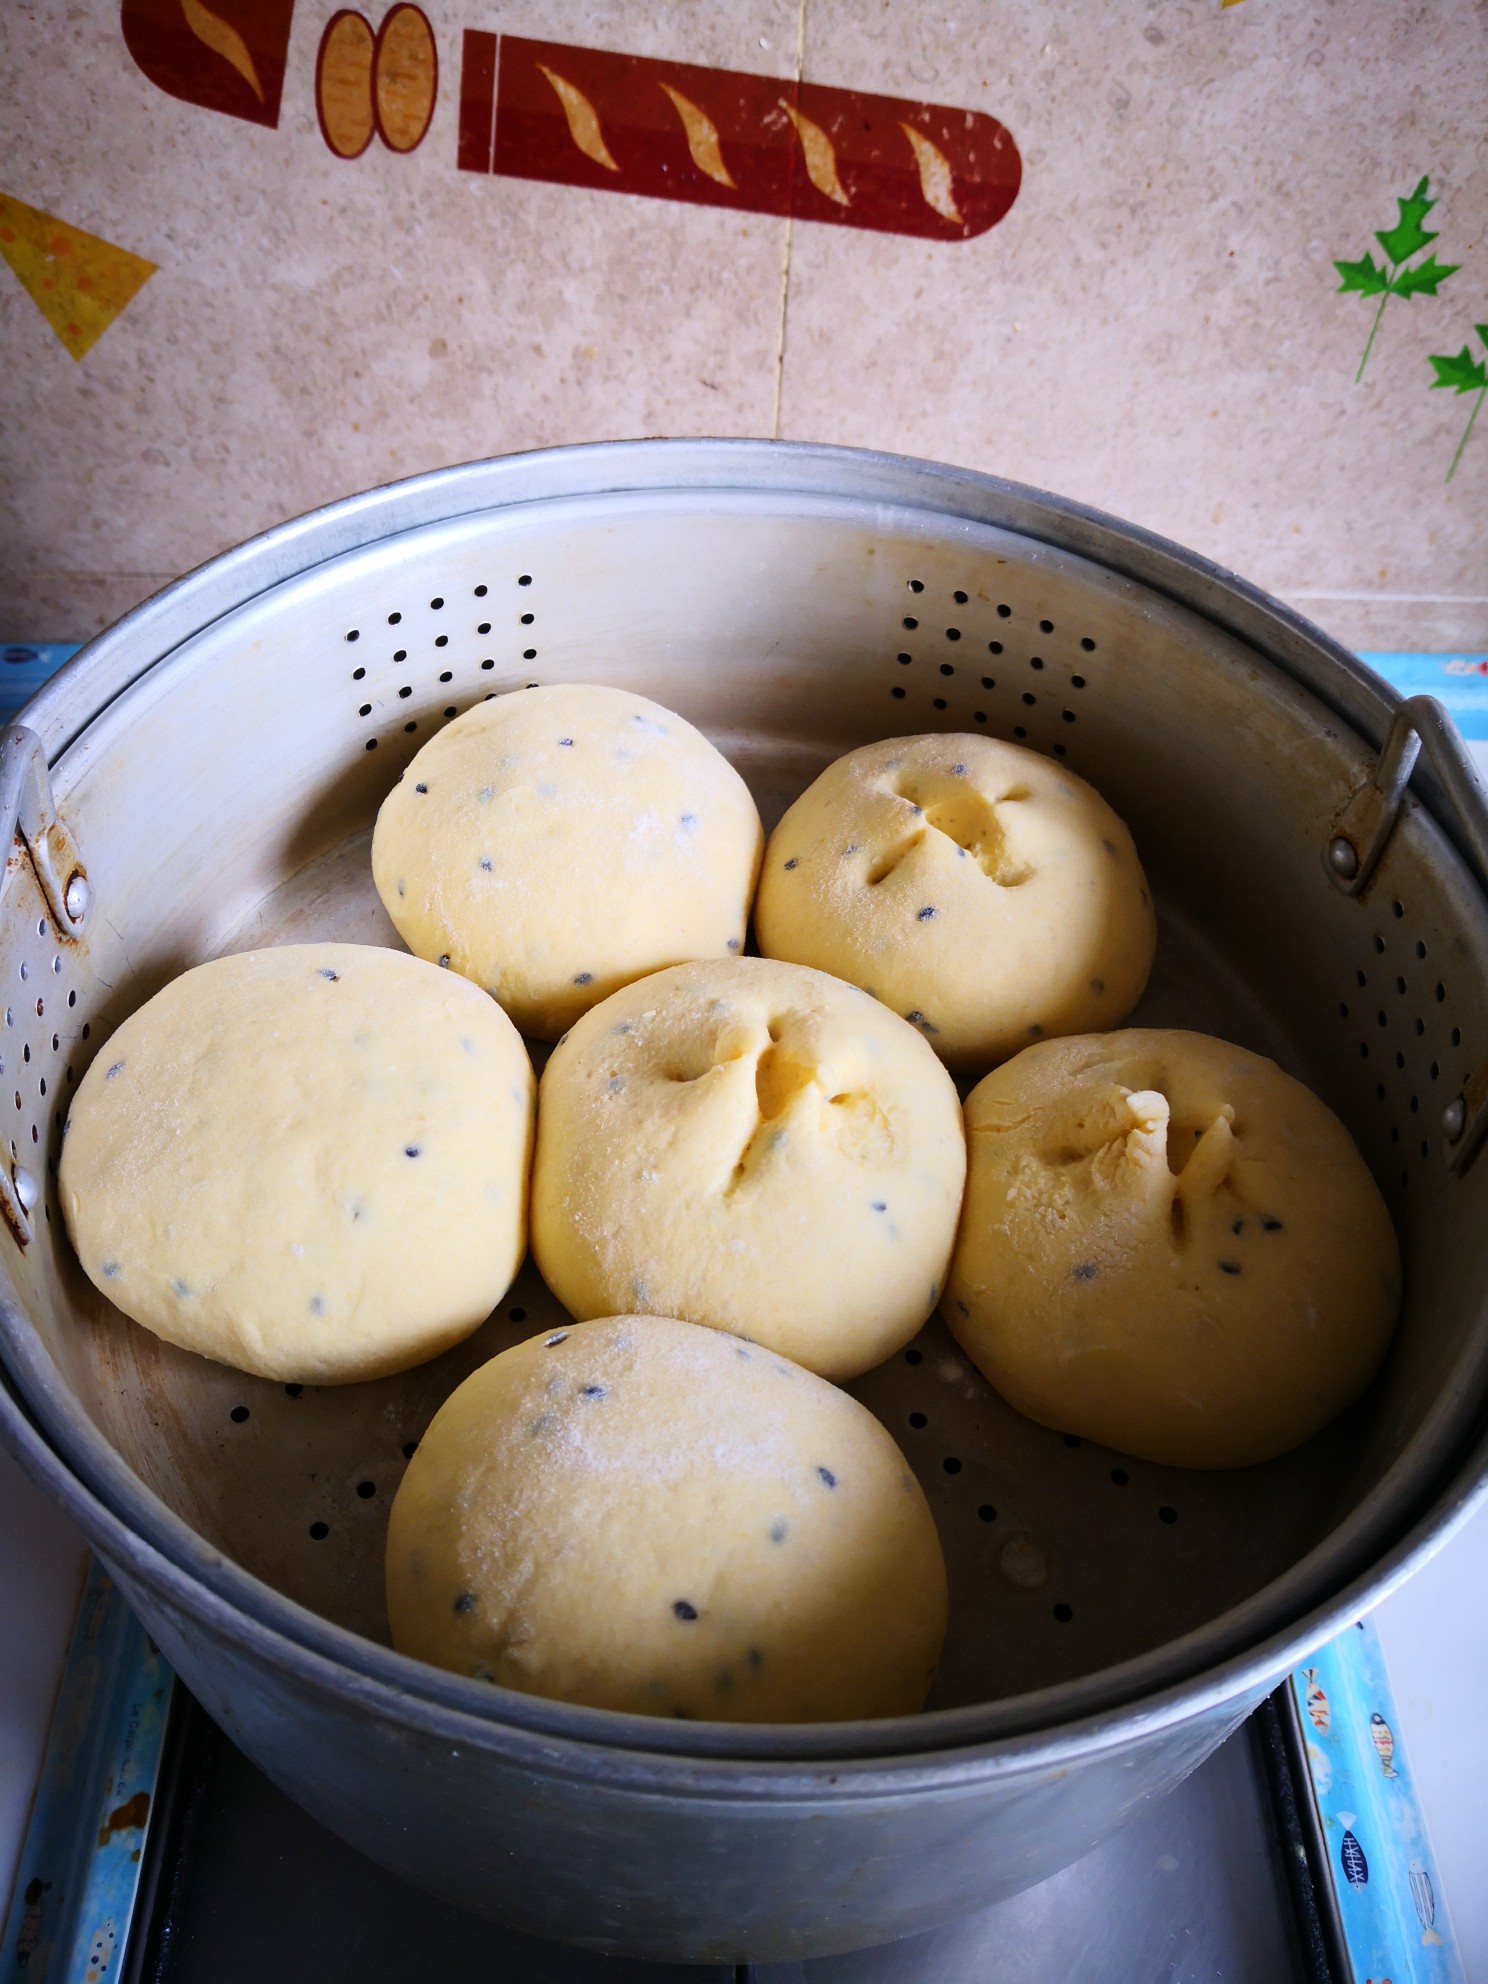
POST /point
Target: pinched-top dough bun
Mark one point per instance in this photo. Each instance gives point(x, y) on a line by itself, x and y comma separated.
point(754, 1146)
point(639, 1514)
point(554, 844)
point(1169, 1246)
point(310, 1163)
point(982, 891)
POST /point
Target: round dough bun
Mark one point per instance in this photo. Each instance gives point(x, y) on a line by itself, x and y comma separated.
point(639, 1514)
point(555, 844)
point(982, 891)
point(1170, 1247)
point(310, 1163)
point(756, 1147)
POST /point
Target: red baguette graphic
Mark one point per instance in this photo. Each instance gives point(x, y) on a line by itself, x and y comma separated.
point(721, 138)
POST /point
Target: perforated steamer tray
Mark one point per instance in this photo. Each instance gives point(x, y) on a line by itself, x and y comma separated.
point(221, 770)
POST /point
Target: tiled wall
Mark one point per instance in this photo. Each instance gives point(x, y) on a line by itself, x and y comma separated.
point(1155, 325)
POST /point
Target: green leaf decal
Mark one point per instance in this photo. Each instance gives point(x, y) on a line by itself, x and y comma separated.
point(1363, 276)
point(1408, 237)
point(1460, 373)
point(1464, 374)
point(1423, 278)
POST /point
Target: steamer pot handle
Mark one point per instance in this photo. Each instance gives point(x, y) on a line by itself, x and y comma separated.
point(1366, 823)
point(29, 815)
point(28, 810)
point(1359, 838)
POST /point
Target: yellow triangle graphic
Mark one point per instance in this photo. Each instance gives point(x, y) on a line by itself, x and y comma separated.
point(78, 282)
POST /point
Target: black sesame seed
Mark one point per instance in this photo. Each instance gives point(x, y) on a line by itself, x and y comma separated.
point(961, 1306)
point(1238, 1227)
point(591, 1391)
point(566, 742)
point(1086, 1271)
point(421, 787)
point(927, 912)
point(411, 1150)
point(683, 1610)
point(444, 958)
point(584, 978)
point(1271, 1225)
point(464, 1603)
point(958, 771)
point(828, 1478)
point(880, 1205)
point(558, 1336)
point(1229, 1267)
point(794, 862)
point(777, 1532)
point(326, 972)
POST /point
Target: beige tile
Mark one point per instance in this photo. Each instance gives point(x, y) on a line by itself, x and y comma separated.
point(318, 325)
point(1155, 328)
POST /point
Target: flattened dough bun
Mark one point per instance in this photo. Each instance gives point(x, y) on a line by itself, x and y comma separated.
point(555, 844)
point(1170, 1247)
point(639, 1514)
point(982, 891)
point(753, 1146)
point(309, 1163)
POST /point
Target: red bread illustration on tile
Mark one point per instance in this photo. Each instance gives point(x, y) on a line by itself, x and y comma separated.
point(721, 138)
point(225, 55)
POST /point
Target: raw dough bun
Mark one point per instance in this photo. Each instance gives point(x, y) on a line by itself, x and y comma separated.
point(984, 892)
point(310, 1163)
point(756, 1147)
point(1171, 1247)
point(555, 844)
point(640, 1514)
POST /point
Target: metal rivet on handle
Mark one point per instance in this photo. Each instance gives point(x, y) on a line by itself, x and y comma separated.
point(78, 897)
point(1454, 1120)
point(26, 1188)
point(1343, 857)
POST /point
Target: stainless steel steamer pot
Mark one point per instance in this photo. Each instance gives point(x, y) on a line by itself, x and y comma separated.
point(215, 762)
